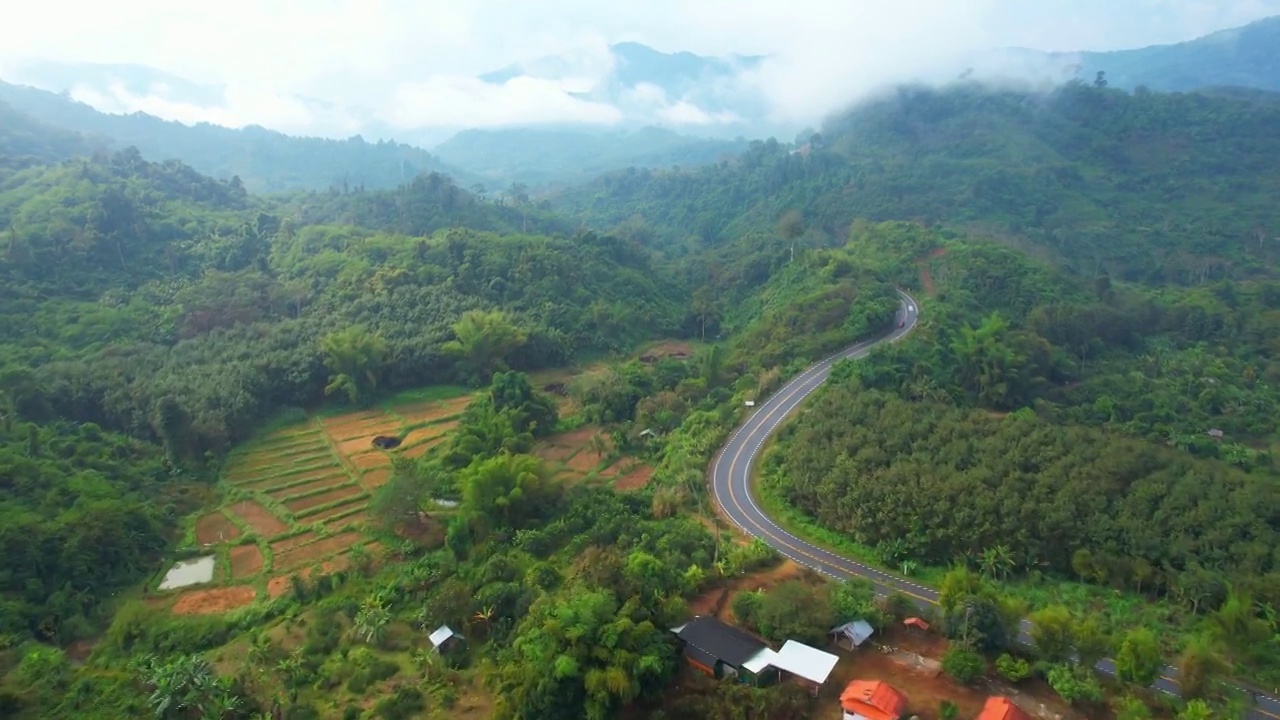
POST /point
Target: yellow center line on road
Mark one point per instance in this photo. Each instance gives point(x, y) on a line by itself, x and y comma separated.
point(798, 385)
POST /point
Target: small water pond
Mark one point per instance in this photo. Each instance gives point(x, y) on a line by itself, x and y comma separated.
point(189, 572)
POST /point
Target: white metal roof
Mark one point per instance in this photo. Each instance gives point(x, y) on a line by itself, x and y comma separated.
point(809, 663)
point(442, 633)
point(760, 660)
point(858, 631)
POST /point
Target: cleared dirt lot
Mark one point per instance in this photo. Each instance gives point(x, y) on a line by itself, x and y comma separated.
point(259, 518)
point(215, 528)
point(213, 601)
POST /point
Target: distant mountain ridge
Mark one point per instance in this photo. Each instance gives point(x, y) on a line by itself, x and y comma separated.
point(265, 160)
point(560, 155)
point(1243, 57)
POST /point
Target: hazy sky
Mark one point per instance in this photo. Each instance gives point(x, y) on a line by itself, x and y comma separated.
point(410, 62)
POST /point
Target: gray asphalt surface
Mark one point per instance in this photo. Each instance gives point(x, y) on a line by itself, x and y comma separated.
point(731, 488)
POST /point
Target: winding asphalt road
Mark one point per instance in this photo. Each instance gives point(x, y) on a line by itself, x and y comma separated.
point(731, 487)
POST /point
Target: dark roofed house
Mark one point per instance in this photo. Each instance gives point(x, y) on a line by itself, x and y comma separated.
point(721, 650)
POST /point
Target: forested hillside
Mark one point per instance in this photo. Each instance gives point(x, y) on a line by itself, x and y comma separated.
point(266, 161)
point(1040, 427)
point(25, 141)
point(153, 318)
point(1146, 187)
point(1083, 423)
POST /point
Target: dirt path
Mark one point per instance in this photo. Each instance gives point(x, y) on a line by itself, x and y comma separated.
point(926, 274)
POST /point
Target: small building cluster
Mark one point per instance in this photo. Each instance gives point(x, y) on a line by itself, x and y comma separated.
point(723, 651)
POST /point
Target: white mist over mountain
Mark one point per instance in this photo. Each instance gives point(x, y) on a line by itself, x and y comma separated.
point(420, 71)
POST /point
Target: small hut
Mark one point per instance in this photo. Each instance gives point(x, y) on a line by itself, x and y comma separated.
point(445, 639)
point(917, 623)
point(852, 634)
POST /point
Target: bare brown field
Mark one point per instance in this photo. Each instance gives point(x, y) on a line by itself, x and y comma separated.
point(359, 446)
point(289, 543)
point(213, 601)
point(375, 479)
point(315, 551)
point(421, 448)
point(259, 518)
point(634, 480)
point(333, 480)
point(279, 585)
point(434, 410)
point(554, 453)
point(338, 493)
point(246, 561)
point(584, 461)
point(354, 428)
point(368, 461)
point(215, 528)
point(333, 511)
point(427, 433)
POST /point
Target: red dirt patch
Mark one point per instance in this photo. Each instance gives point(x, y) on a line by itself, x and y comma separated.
point(215, 528)
point(375, 479)
point(334, 495)
point(246, 561)
point(554, 453)
point(259, 518)
point(926, 274)
point(298, 557)
point(634, 480)
point(216, 600)
point(333, 511)
point(577, 438)
point(279, 585)
point(584, 461)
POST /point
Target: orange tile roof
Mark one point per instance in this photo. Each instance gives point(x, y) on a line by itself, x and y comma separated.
point(1001, 708)
point(873, 699)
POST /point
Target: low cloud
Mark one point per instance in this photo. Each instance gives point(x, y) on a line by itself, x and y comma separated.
point(684, 113)
point(412, 64)
point(242, 105)
point(464, 101)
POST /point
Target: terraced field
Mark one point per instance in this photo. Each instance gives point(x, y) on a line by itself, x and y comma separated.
point(587, 455)
point(299, 496)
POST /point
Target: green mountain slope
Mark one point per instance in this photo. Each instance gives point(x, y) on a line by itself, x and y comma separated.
point(25, 141)
point(1147, 186)
point(266, 161)
point(1240, 57)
